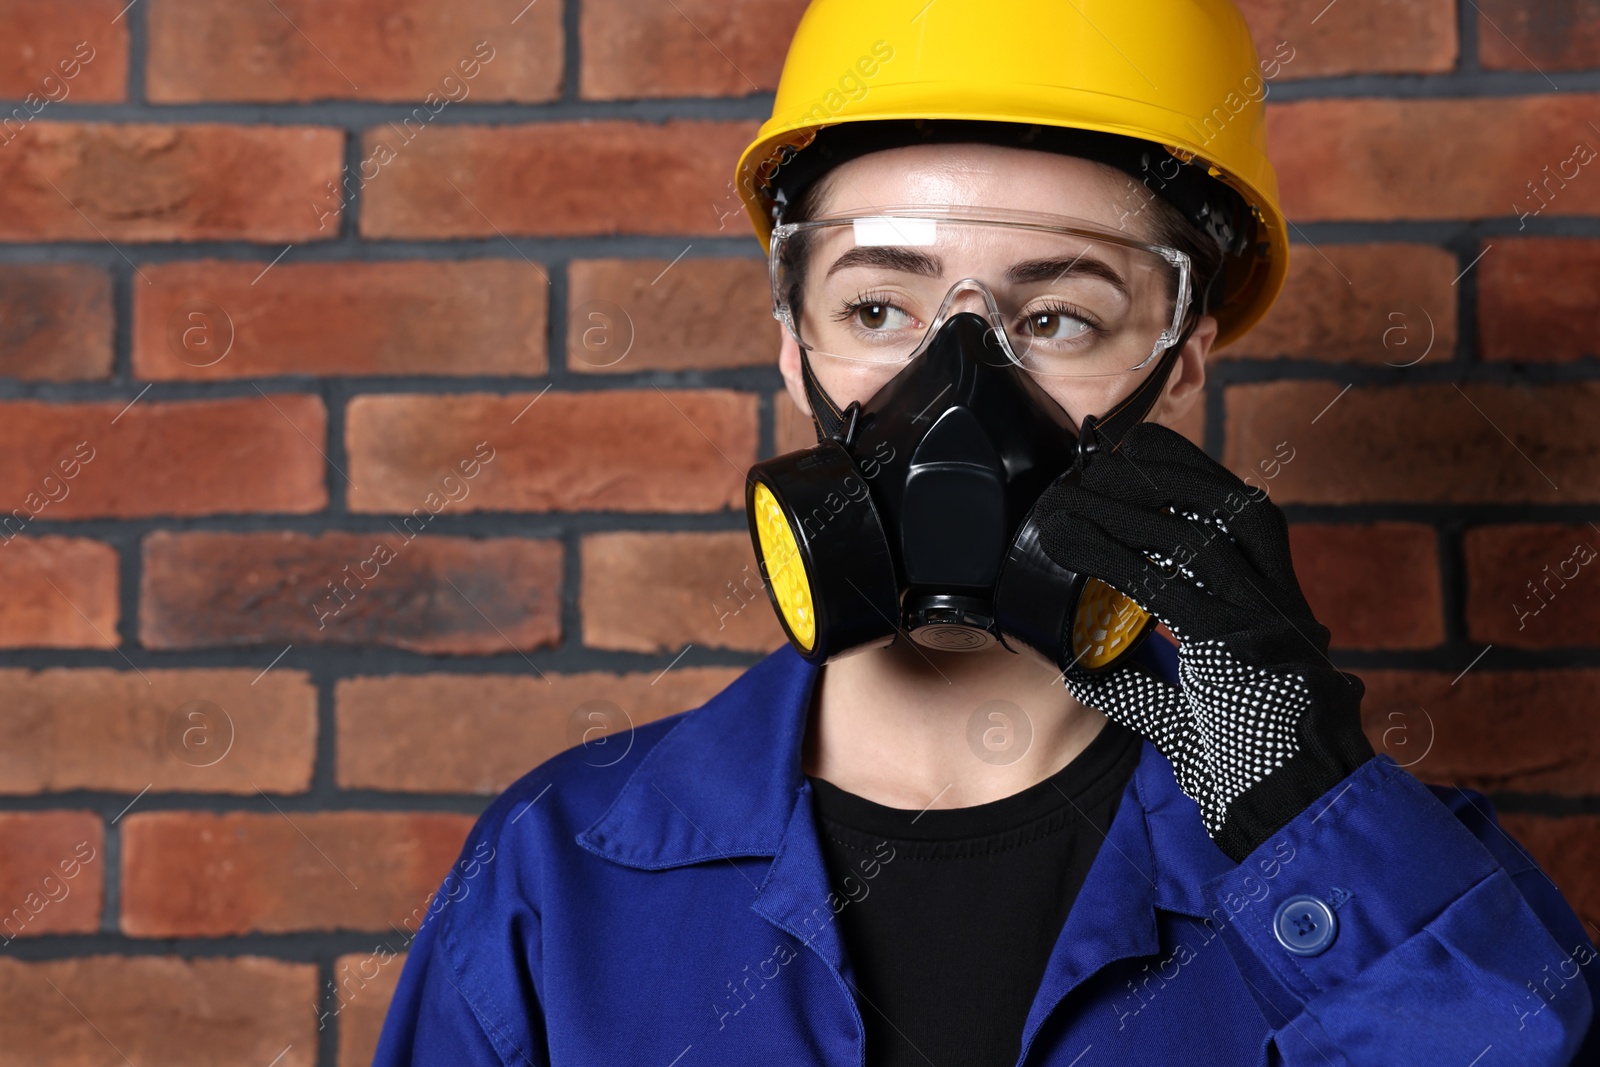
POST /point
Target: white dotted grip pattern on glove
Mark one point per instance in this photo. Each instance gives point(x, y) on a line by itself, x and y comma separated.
point(1224, 728)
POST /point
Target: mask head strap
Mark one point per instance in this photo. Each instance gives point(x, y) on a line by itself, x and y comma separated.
point(1106, 431)
point(831, 423)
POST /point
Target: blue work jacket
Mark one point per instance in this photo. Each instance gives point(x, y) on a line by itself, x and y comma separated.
point(661, 899)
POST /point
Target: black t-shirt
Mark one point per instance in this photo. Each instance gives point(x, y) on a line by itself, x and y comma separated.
point(950, 919)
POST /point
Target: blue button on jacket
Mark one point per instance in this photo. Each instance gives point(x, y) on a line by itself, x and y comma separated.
point(670, 907)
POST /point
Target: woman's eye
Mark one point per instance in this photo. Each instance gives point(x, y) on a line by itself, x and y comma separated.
point(881, 316)
point(1056, 325)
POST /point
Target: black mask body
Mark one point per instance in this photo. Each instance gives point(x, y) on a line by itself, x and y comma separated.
point(911, 516)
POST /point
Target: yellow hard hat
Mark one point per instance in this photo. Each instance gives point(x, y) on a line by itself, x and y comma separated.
point(1180, 74)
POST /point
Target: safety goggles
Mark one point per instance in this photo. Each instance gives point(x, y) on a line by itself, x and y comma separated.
point(1066, 297)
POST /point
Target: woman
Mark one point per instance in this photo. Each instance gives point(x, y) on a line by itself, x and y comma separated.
point(978, 810)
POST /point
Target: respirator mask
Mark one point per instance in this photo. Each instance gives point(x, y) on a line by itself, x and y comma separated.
point(911, 519)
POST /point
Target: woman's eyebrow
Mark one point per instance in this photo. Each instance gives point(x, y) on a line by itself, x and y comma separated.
point(1049, 270)
point(902, 259)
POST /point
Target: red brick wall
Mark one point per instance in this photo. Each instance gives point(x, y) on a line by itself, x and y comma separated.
point(523, 327)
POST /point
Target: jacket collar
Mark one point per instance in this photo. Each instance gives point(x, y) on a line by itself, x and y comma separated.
point(724, 779)
point(724, 782)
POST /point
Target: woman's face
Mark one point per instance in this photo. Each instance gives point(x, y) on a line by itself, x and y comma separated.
point(1010, 178)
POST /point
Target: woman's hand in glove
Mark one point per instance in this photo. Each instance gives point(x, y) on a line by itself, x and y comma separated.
point(1262, 723)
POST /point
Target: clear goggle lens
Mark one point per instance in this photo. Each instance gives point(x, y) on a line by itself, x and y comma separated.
point(1064, 295)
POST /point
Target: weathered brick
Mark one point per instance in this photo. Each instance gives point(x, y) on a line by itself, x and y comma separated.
point(1356, 37)
point(55, 321)
point(187, 457)
point(218, 730)
point(1360, 158)
point(61, 592)
point(406, 733)
point(458, 595)
point(1533, 586)
point(1374, 586)
point(623, 450)
point(191, 182)
point(701, 48)
point(52, 873)
point(159, 1009)
point(199, 874)
point(1421, 444)
point(1547, 36)
point(1514, 731)
point(1568, 851)
point(1536, 299)
point(630, 315)
point(298, 50)
point(364, 985)
point(211, 319)
point(686, 48)
point(656, 592)
point(1380, 303)
point(62, 52)
point(554, 179)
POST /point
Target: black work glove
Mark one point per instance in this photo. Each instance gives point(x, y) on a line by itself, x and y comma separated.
point(1262, 723)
